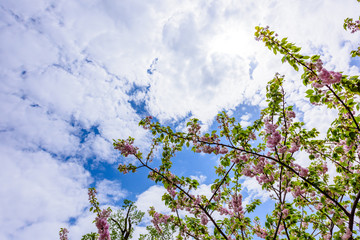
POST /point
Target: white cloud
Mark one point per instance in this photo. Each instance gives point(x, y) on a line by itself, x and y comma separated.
point(254, 190)
point(39, 191)
point(109, 191)
point(152, 198)
point(201, 178)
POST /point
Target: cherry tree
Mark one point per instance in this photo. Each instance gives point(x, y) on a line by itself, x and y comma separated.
point(309, 202)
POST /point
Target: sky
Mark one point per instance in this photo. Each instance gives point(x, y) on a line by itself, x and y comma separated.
point(74, 75)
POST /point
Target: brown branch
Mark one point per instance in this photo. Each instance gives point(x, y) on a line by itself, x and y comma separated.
point(188, 195)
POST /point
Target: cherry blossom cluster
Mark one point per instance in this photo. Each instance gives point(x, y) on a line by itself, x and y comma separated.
point(260, 232)
point(273, 136)
point(194, 128)
point(147, 122)
point(240, 157)
point(345, 146)
point(295, 145)
point(126, 147)
point(303, 172)
point(326, 77)
point(352, 25)
point(63, 234)
point(203, 145)
point(205, 148)
point(103, 225)
point(297, 191)
point(347, 234)
point(158, 219)
point(236, 204)
point(204, 219)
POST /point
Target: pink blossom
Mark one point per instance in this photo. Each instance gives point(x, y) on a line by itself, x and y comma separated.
point(260, 232)
point(171, 191)
point(273, 140)
point(304, 172)
point(269, 127)
point(285, 213)
point(236, 203)
point(283, 149)
point(204, 219)
point(304, 225)
point(156, 221)
point(329, 77)
point(247, 172)
point(319, 206)
point(147, 122)
point(353, 26)
point(290, 114)
point(295, 146)
point(281, 227)
point(235, 160)
point(63, 234)
point(324, 75)
point(297, 191)
point(317, 85)
point(327, 236)
point(103, 225)
point(223, 211)
point(126, 148)
point(347, 235)
point(194, 128)
point(223, 150)
point(324, 168)
point(319, 65)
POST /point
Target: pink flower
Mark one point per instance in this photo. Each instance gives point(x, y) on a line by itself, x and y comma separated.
point(269, 127)
point(297, 191)
point(247, 172)
point(316, 85)
point(236, 203)
point(347, 235)
point(103, 225)
point(304, 172)
point(327, 236)
point(126, 148)
point(283, 149)
point(260, 232)
point(63, 234)
point(325, 168)
point(319, 206)
point(295, 146)
point(171, 191)
point(285, 213)
point(223, 211)
point(281, 227)
point(324, 75)
point(290, 114)
point(223, 150)
point(329, 77)
point(304, 225)
point(204, 219)
point(273, 140)
point(319, 65)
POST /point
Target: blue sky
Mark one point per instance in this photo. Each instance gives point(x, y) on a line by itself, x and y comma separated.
point(77, 74)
